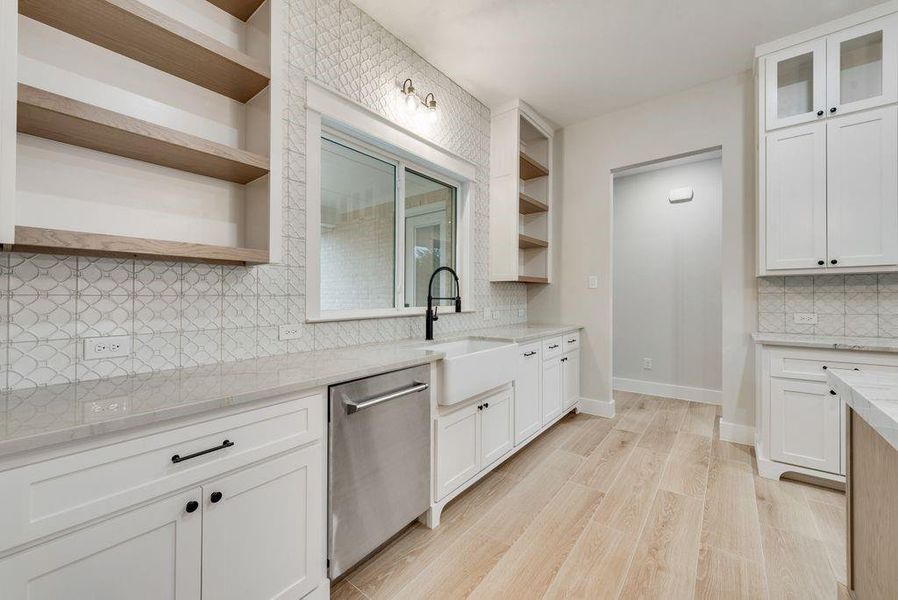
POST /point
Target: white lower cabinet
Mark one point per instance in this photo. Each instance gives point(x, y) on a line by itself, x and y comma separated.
point(805, 425)
point(151, 553)
point(458, 448)
point(570, 378)
point(246, 551)
point(496, 427)
point(552, 389)
point(527, 409)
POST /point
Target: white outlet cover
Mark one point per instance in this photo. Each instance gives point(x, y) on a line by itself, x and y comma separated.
point(106, 347)
point(101, 410)
point(593, 282)
point(806, 318)
point(289, 332)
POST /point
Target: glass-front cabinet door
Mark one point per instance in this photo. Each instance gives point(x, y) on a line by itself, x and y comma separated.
point(862, 67)
point(795, 83)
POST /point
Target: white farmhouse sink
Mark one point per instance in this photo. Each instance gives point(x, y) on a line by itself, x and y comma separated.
point(472, 367)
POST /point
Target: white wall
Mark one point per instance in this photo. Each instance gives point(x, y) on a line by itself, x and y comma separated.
point(719, 113)
point(666, 298)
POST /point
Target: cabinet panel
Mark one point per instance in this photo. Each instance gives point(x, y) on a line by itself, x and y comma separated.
point(552, 389)
point(527, 415)
point(862, 189)
point(152, 553)
point(805, 425)
point(796, 197)
point(862, 67)
point(795, 83)
point(262, 535)
point(458, 449)
point(496, 428)
point(571, 378)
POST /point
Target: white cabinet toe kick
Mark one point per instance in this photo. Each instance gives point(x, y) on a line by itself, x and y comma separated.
point(474, 437)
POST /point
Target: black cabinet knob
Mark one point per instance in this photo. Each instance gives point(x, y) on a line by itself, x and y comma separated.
point(819, 113)
point(825, 367)
point(192, 506)
point(833, 109)
point(834, 262)
point(215, 497)
point(486, 405)
point(833, 392)
point(821, 262)
point(480, 407)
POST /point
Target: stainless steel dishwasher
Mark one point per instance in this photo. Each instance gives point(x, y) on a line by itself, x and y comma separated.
point(378, 462)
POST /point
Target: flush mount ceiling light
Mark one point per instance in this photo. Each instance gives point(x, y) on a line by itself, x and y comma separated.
point(413, 101)
point(683, 194)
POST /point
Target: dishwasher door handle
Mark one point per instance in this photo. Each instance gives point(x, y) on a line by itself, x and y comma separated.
point(353, 406)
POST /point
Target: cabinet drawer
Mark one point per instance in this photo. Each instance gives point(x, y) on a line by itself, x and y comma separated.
point(46, 497)
point(570, 341)
point(552, 347)
point(811, 365)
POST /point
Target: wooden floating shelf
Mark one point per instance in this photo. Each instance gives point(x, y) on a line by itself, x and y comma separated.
point(133, 29)
point(531, 168)
point(529, 279)
point(527, 242)
point(242, 9)
point(48, 115)
point(530, 206)
point(38, 239)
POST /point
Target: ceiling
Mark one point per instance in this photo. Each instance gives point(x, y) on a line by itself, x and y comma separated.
point(575, 59)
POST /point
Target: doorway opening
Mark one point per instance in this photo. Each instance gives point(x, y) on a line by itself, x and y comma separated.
point(666, 301)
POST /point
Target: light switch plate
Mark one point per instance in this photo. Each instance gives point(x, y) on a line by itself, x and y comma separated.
point(107, 347)
point(806, 318)
point(593, 282)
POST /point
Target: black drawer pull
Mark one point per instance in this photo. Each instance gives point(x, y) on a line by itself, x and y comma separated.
point(531, 353)
point(178, 458)
point(833, 392)
point(572, 341)
point(553, 346)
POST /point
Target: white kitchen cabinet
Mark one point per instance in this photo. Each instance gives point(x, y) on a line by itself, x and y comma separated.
point(796, 197)
point(795, 79)
point(570, 370)
point(151, 553)
point(862, 66)
point(862, 188)
point(458, 448)
point(527, 409)
point(496, 427)
point(262, 529)
point(805, 425)
point(552, 389)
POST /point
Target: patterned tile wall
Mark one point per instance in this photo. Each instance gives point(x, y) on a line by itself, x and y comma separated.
point(180, 314)
point(852, 305)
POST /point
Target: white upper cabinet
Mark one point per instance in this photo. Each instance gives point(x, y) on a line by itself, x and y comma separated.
point(862, 67)
point(796, 84)
point(862, 189)
point(796, 197)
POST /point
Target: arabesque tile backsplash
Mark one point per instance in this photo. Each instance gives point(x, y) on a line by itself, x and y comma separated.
point(850, 305)
point(181, 314)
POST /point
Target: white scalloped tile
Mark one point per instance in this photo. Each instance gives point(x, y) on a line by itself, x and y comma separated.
point(771, 302)
point(157, 314)
point(828, 324)
point(103, 368)
point(861, 303)
point(105, 276)
point(799, 302)
point(771, 323)
point(36, 318)
point(42, 274)
point(152, 278)
point(238, 344)
point(829, 303)
point(829, 283)
point(337, 334)
point(864, 282)
point(105, 315)
point(887, 282)
point(240, 281)
point(156, 352)
point(202, 280)
point(201, 312)
point(268, 342)
point(41, 363)
point(200, 348)
point(861, 325)
point(799, 283)
point(239, 312)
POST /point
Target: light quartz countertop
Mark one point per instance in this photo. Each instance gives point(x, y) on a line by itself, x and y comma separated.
point(863, 344)
point(40, 417)
point(873, 396)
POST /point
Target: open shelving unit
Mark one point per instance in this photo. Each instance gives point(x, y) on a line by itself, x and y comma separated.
point(143, 129)
point(520, 195)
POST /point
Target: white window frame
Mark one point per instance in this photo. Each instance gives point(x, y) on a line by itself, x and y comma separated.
point(333, 115)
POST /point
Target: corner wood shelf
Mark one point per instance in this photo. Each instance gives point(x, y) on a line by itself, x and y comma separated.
point(531, 169)
point(526, 242)
point(133, 29)
point(38, 239)
point(48, 115)
point(242, 9)
point(529, 279)
point(528, 205)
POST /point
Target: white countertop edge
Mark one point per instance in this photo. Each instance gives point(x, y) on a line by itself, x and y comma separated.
point(861, 344)
point(873, 396)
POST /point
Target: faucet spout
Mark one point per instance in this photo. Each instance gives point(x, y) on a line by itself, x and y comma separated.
point(431, 314)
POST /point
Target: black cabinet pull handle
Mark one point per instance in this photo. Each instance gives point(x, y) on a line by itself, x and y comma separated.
point(572, 341)
point(821, 262)
point(480, 407)
point(819, 113)
point(192, 506)
point(531, 353)
point(833, 392)
point(825, 367)
point(553, 346)
point(178, 458)
point(215, 497)
point(833, 109)
point(834, 262)
point(564, 359)
point(486, 405)
point(856, 369)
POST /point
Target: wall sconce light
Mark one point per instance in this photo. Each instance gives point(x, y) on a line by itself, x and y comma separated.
point(413, 101)
point(683, 194)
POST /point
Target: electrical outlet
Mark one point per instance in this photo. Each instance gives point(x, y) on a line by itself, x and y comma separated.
point(593, 282)
point(806, 318)
point(107, 347)
point(647, 364)
point(100, 410)
point(289, 332)
point(496, 314)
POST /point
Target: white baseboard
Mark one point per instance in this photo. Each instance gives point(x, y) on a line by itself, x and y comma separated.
point(736, 433)
point(667, 390)
point(599, 408)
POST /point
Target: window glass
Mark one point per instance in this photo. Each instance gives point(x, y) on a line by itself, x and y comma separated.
point(430, 237)
point(795, 85)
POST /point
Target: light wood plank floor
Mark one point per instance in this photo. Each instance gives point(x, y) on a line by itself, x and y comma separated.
point(650, 504)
